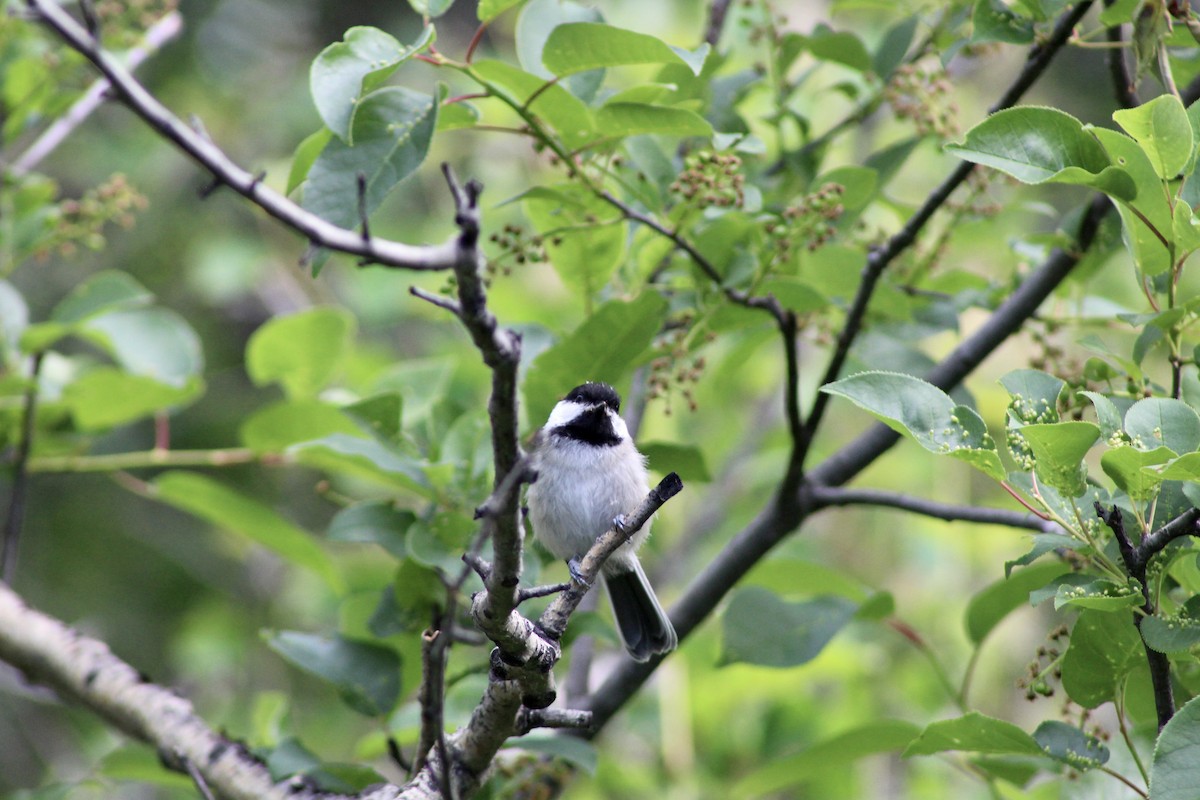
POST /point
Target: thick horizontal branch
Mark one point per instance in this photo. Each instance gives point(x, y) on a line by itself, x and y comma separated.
point(84, 671)
point(224, 171)
point(824, 496)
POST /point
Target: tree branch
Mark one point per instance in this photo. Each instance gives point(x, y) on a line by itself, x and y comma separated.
point(1159, 664)
point(829, 496)
point(225, 171)
point(84, 671)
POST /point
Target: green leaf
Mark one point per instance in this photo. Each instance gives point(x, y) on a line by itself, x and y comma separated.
point(761, 628)
point(1145, 245)
point(457, 115)
point(151, 342)
point(686, 460)
point(1084, 591)
point(103, 293)
point(416, 592)
point(375, 522)
point(1163, 422)
point(834, 753)
point(366, 675)
point(1107, 414)
point(579, 46)
point(1069, 745)
point(795, 294)
point(391, 130)
point(1058, 451)
point(233, 511)
point(349, 69)
point(440, 542)
point(565, 113)
point(1175, 771)
point(1163, 130)
point(1034, 395)
point(275, 427)
point(974, 733)
point(305, 156)
point(992, 21)
point(894, 47)
point(791, 577)
point(840, 47)
point(105, 397)
point(1043, 543)
point(366, 458)
point(601, 349)
point(1104, 649)
point(488, 10)
point(302, 352)
point(923, 412)
point(536, 22)
point(1043, 145)
point(571, 749)
point(379, 415)
point(1184, 468)
point(995, 602)
point(1170, 634)
point(1127, 466)
point(431, 8)
point(618, 120)
point(584, 236)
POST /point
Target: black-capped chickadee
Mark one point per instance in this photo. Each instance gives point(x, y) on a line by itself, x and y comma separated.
point(589, 475)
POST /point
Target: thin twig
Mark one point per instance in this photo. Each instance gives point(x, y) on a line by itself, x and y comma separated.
point(716, 21)
point(827, 496)
point(436, 299)
point(15, 519)
point(531, 718)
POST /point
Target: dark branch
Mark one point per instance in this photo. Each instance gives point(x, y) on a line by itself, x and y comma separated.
point(716, 21)
point(828, 496)
point(1159, 664)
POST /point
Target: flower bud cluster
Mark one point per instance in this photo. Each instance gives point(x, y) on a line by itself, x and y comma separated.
point(677, 368)
point(810, 222)
point(710, 179)
point(919, 92)
point(81, 222)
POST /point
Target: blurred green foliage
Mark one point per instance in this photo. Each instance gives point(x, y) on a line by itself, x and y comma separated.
point(247, 474)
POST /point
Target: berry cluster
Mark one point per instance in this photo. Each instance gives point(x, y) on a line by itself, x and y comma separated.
point(82, 221)
point(678, 367)
point(1045, 667)
point(710, 179)
point(919, 93)
point(516, 248)
point(810, 222)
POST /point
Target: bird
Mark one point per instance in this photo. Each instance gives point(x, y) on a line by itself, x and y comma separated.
point(589, 474)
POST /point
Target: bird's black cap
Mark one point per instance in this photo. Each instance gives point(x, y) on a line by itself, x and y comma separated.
point(594, 394)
